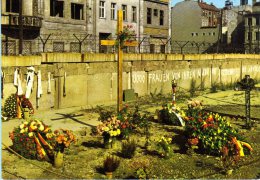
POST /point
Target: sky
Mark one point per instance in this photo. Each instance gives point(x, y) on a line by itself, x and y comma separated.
point(218, 3)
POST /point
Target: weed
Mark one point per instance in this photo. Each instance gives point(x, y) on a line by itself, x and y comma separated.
point(111, 163)
point(128, 149)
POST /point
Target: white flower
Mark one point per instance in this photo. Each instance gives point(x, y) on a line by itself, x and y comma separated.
point(30, 134)
point(41, 128)
point(21, 126)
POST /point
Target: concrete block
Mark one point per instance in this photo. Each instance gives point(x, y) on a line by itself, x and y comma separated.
point(128, 95)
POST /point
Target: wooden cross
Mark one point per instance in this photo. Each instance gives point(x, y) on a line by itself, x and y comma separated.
point(120, 58)
point(247, 84)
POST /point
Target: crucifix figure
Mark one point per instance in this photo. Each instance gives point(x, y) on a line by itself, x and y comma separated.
point(247, 84)
point(120, 57)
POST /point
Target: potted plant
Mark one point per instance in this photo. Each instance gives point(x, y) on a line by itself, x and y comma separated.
point(109, 130)
point(110, 164)
point(63, 139)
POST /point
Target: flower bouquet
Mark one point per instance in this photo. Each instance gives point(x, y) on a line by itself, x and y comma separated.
point(109, 130)
point(212, 130)
point(32, 139)
point(10, 106)
point(35, 140)
point(63, 138)
point(127, 34)
point(167, 116)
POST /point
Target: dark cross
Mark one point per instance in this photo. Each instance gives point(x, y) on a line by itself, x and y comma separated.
point(247, 84)
point(72, 117)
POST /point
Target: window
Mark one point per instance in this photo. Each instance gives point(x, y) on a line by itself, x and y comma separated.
point(257, 21)
point(77, 11)
point(257, 36)
point(249, 21)
point(203, 34)
point(249, 36)
point(58, 46)
point(161, 17)
point(149, 16)
point(56, 8)
point(102, 9)
point(155, 12)
point(113, 11)
point(134, 12)
point(12, 6)
point(124, 8)
point(213, 34)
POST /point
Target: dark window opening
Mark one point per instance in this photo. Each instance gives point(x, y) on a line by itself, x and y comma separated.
point(249, 21)
point(155, 12)
point(249, 36)
point(12, 6)
point(124, 9)
point(77, 11)
point(56, 8)
point(149, 16)
point(134, 12)
point(162, 48)
point(161, 17)
point(152, 48)
point(257, 36)
point(257, 21)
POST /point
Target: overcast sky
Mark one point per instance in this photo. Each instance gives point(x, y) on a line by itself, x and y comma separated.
point(218, 3)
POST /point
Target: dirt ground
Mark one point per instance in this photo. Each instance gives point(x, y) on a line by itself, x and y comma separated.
point(84, 159)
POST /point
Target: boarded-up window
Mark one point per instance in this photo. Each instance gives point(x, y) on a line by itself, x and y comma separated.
point(58, 46)
point(74, 47)
point(8, 48)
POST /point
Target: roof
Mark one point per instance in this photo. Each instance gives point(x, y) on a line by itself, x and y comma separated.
point(209, 7)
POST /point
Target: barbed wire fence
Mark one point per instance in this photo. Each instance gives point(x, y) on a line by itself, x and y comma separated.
point(88, 43)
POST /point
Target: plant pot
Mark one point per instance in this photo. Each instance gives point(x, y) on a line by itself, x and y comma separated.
point(108, 142)
point(109, 175)
point(58, 159)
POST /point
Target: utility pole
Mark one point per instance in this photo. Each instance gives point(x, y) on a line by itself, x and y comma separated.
point(20, 26)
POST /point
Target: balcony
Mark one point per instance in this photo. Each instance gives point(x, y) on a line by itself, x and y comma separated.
point(28, 21)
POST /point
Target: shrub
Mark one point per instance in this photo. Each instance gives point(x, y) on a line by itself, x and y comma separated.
point(104, 114)
point(128, 149)
point(111, 163)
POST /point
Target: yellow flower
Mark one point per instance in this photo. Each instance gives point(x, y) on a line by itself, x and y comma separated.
point(26, 129)
point(106, 129)
point(22, 131)
point(118, 131)
point(26, 122)
point(30, 134)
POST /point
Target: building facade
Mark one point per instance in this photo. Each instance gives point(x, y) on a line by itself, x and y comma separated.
point(80, 25)
point(48, 26)
point(233, 25)
point(195, 26)
point(252, 29)
point(105, 20)
point(155, 22)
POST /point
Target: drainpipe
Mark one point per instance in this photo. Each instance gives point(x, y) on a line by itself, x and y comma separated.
point(20, 26)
